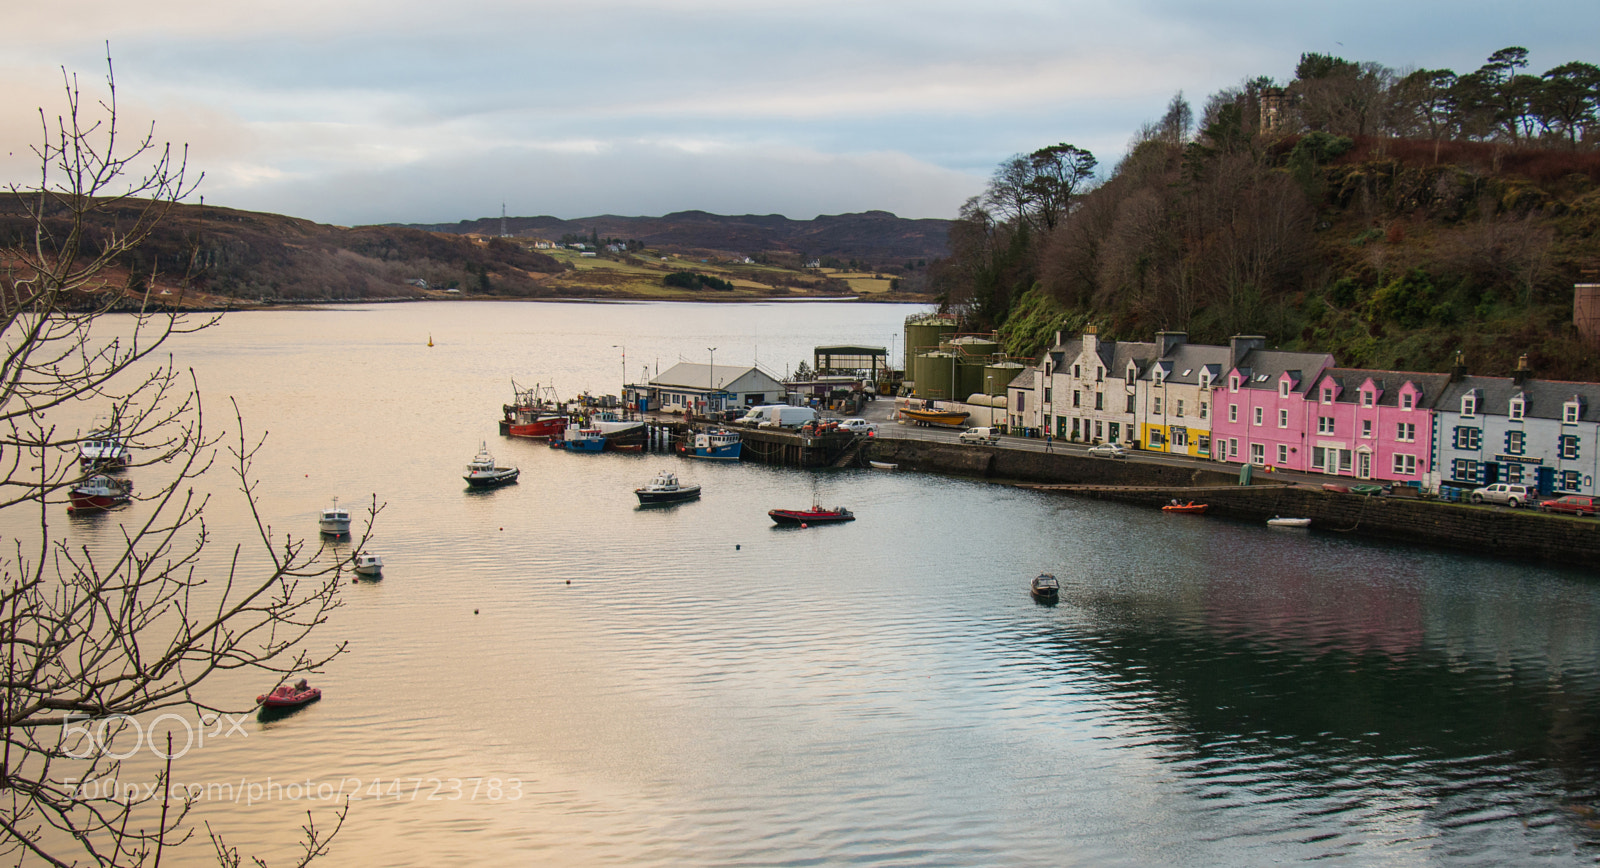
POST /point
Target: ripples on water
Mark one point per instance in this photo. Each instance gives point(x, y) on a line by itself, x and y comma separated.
point(690, 685)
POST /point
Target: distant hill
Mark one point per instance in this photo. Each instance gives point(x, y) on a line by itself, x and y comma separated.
point(868, 238)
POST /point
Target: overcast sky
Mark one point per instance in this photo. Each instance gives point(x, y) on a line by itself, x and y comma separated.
point(375, 111)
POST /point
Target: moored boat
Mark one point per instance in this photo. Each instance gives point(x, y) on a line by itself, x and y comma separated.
point(104, 449)
point(1279, 521)
point(718, 444)
point(533, 415)
point(483, 472)
point(1191, 506)
point(666, 488)
point(584, 440)
point(1045, 588)
point(815, 515)
point(335, 520)
point(882, 465)
point(369, 565)
point(622, 435)
point(99, 492)
point(930, 416)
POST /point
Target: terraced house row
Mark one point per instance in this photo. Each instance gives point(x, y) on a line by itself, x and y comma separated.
point(1244, 403)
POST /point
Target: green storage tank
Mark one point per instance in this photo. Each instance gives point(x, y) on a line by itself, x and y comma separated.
point(923, 333)
point(935, 376)
point(998, 376)
point(969, 378)
point(975, 348)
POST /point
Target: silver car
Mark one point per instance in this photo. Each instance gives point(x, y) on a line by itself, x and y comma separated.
point(1108, 450)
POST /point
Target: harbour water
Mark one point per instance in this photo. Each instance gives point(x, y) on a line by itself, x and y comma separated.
point(550, 674)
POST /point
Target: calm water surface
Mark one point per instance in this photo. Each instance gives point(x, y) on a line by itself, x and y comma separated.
point(691, 686)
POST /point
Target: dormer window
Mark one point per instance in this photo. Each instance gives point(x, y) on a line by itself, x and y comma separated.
point(1407, 401)
point(1570, 412)
point(1205, 379)
point(1077, 371)
point(1518, 408)
point(1283, 388)
point(1233, 383)
point(1366, 398)
point(1469, 405)
point(1133, 374)
point(1327, 395)
point(1158, 373)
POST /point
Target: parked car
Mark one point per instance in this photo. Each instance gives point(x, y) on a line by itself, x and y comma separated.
point(989, 436)
point(1108, 450)
point(1508, 493)
point(858, 426)
point(1573, 504)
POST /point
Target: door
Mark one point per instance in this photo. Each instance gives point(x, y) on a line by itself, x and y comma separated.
point(1364, 465)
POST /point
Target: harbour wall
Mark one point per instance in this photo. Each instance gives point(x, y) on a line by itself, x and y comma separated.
point(1519, 534)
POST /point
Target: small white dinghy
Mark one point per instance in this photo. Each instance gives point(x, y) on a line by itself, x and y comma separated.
point(1276, 521)
point(369, 565)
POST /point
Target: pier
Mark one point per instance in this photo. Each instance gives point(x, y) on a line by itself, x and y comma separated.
point(782, 447)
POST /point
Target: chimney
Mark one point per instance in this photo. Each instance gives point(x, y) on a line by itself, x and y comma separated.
point(1459, 369)
point(1166, 342)
point(1240, 346)
point(1521, 374)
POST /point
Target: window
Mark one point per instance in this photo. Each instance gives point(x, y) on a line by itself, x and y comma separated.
point(1469, 405)
point(1205, 379)
point(1021, 404)
point(1158, 375)
point(1233, 383)
point(1344, 460)
point(1099, 374)
point(1405, 432)
point(1258, 415)
point(1366, 398)
point(1569, 446)
point(1097, 429)
point(1283, 388)
point(1077, 371)
point(1130, 403)
point(1232, 449)
point(1283, 453)
point(1407, 400)
point(1203, 444)
point(1099, 401)
point(1327, 395)
point(1324, 424)
point(1464, 470)
point(1511, 472)
point(1468, 438)
point(1283, 418)
point(1366, 428)
point(1569, 413)
point(1570, 480)
point(1518, 408)
point(1203, 408)
point(1156, 405)
point(1515, 442)
point(1180, 409)
point(1405, 465)
point(1077, 398)
point(1258, 453)
point(1157, 438)
point(1233, 412)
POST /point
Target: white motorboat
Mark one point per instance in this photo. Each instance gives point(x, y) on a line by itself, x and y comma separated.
point(482, 472)
point(882, 465)
point(369, 565)
point(1277, 521)
point(103, 449)
point(335, 520)
point(665, 488)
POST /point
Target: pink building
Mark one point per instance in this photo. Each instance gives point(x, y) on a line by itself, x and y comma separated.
point(1262, 409)
point(1372, 424)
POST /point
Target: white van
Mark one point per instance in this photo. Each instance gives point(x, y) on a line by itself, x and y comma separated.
point(989, 436)
point(778, 416)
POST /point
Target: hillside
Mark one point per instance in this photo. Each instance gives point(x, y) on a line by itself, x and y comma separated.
point(221, 257)
point(871, 238)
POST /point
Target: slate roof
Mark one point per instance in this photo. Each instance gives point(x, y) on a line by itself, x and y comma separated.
point(1388, 382)
point(1260, 369)
point(1186, 363)
point(1544, 399)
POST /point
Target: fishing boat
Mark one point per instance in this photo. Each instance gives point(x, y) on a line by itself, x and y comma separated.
point(1369, 488)
point(1278, 521)
point(483, 472)
point(534, 413)
point(666, 488)
point(368, 565)
point(290, 696)
point(815, 515)
point(103, 449)
point(941, 418)
point(335, 520)
point(1191, 506)
point(1045, 588)
point(622, 435)
point(718, 444)
point(99, 492)
point(584, 440)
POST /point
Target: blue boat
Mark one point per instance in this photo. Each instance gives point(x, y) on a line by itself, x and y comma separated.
point(584, 440)
point(716, 445)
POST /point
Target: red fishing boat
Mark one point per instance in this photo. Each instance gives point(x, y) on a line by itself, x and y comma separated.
point(814, 515)
point(290, 696)
point(1191, 506)
point(99, 492)
point(535, 413)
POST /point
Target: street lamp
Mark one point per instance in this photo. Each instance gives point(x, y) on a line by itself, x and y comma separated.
point(623, 389)
point(711, 377)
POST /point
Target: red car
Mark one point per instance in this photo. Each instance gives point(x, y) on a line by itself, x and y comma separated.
point(1574, 504)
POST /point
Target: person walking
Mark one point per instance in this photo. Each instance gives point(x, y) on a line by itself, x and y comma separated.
point(1047, 439)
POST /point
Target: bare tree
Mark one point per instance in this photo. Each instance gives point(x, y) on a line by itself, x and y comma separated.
point(97, 637)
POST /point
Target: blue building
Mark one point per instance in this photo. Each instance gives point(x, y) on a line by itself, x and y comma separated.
point(1519, 430)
